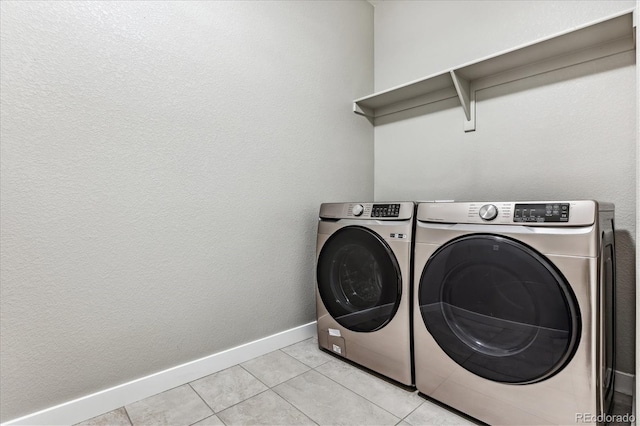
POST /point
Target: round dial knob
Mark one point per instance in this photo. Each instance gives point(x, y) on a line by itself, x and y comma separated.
point(488, 212)
point(357, 210)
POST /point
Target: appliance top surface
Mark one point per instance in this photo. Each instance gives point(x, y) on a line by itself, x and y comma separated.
point(529, 213)
point(383, 210)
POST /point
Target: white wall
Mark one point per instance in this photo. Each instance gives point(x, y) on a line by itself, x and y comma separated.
point(568, 134)
point(162, 168)
point(637, 364)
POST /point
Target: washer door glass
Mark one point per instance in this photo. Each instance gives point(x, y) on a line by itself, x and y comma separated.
point(499, 309)
point(359, 279)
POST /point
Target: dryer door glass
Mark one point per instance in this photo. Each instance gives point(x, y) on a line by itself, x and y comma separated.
point(359, 279)
point(499, 309)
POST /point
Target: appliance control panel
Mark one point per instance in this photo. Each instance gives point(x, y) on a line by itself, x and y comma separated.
point(488, 212)
point(552, 212)
point(379, 211)
point(385, 210)
point(530, 213)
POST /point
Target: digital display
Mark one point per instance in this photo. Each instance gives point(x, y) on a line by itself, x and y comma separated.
point(385, 210)
point(553, 212)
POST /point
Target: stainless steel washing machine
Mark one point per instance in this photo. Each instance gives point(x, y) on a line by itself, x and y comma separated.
point(363, 284)
point(513, 309)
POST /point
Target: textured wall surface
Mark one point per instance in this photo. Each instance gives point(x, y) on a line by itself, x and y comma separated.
point(637, 360)
point(162, 168)
point(568, 134)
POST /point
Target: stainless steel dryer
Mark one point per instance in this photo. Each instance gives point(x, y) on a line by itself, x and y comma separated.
point(363, 284)
point(513, 314)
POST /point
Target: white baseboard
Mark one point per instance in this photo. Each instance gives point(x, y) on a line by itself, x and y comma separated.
point(109, 399)
point(624, 383)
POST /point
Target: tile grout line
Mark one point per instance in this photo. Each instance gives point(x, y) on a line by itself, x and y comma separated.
point(355, 393)
point(253, 396)
point(268, 388)
point(252, 375)
point(205, 403)
point(127, 414)
point(423, 400)
point(159, 393)
point(404, 419)
point(297, 375)
point(291, 404)
point(294, 358)
point(240, 402)
point(278, 384)
point(235, 365)
point(208, 417)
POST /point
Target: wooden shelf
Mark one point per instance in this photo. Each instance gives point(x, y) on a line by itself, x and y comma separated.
point(599, 39)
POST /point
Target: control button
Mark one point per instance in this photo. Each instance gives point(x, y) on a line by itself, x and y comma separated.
point(488, 212)
point(357, 210)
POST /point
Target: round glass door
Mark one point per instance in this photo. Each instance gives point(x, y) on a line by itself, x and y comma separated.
point(499, 309)
point(359, 279)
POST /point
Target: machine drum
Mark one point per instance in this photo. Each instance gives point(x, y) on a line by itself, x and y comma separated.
point(499, 309)
point(359, 279)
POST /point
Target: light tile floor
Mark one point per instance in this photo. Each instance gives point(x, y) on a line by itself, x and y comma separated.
point(297, 385)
